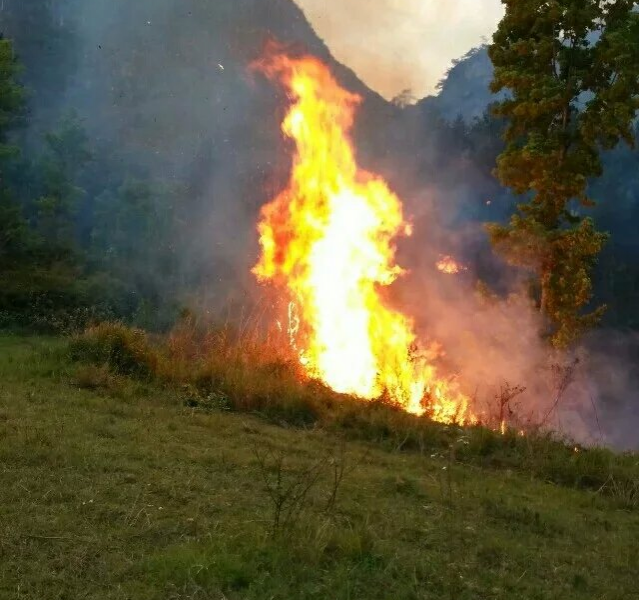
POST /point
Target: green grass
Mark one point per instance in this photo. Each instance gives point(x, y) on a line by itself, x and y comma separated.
point(113, 487)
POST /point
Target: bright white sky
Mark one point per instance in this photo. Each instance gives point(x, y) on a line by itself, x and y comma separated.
point(398, 44)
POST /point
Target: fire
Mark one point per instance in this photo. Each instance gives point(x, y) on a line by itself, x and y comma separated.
point(449, 266)
point(328, 241)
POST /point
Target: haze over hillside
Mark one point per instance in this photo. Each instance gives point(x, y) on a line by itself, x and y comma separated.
point(402, 44)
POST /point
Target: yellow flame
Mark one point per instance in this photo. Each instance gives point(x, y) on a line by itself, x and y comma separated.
point(328, 240)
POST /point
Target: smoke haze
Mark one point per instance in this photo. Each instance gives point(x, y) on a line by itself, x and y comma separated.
point(375, 38)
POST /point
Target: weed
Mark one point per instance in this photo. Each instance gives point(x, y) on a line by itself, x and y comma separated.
point(623, 492)
point(291, 489)
point(507, 393)
point(95, 377)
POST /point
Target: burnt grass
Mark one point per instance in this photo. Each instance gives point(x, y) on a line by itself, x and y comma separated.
point(136, 467)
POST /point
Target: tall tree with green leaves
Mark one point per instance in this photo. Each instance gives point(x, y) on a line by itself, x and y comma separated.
point(571, 70)
point(13, 227)
point(46, 40)
point(67, 153)
point(11, 95)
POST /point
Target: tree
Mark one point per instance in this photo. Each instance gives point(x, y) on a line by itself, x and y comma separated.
point(66, 154)
point(14, 231)
point(46, 40)
point(405, 98)
point(571, 68)
point(11, 101)
point(135, 240)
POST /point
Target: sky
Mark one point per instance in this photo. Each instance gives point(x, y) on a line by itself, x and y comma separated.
point(395, 45)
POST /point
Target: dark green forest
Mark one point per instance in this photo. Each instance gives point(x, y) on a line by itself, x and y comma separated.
point(131, 192)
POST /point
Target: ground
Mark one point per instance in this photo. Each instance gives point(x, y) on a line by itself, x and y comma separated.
point(119, 489)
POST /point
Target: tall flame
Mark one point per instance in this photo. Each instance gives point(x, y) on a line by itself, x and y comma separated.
point(328, 239)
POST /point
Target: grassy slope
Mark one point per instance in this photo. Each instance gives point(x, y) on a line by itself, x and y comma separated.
point(124, 492)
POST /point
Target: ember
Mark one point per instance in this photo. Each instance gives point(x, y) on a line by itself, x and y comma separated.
point(449, 266)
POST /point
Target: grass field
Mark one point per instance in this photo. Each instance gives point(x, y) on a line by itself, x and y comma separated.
point(119, 488)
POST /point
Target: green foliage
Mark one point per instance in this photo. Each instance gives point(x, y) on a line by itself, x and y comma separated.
point(13, 227)
point(41, 286)
point(570, 97)
point(11, 94)
point(51, 299)
point(46, 282)
point(15, 235)
point(66, 154)
point(134, 239)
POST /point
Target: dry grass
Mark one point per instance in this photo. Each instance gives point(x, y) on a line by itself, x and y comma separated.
point(252, 371)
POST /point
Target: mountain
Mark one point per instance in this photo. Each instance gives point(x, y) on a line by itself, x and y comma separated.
point(464, 91)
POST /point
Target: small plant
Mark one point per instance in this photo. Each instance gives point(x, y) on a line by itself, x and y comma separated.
point(294, 491)
point(337, 470)
point(507, 393)
point(563, 375)
point(94, 377)
point(624, 493)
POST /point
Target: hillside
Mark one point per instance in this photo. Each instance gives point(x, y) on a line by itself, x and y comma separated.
point(118, 489)
point(465, 88)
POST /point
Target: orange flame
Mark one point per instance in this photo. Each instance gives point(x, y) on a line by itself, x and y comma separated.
point(328, 239)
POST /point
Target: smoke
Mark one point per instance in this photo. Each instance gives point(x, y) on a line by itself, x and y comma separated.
point(374, 39)
point(164, 83)
point(610, 381)
point(493, 341)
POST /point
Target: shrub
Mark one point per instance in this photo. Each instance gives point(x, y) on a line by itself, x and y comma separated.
point(55, 299)
point(95, 377)
point(125, 350)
